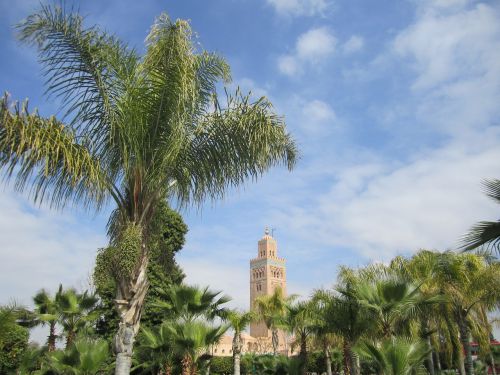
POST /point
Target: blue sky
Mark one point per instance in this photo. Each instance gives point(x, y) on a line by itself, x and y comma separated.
point(395, 106)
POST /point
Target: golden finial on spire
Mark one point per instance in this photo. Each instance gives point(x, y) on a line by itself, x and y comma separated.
point(266, 231)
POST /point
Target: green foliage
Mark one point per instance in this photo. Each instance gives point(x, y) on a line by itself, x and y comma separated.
point(84, 357)
point(316, 361)
point(165, 239)
point(221, 365)
point(13, 345)
point(118, 261)
point(485, 233)
point(190, 302)
point(395, 356)
point(269, 364)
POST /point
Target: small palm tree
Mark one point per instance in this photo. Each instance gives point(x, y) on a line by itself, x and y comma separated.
point(238, 322)
point(188, 302)
point(394, 301)
point(300, 321)
point(47, 311)
point(191, 339)
point(155, 352)
point(271, 309)
point(83, 357)
point(395, 356)
point(345, 316)
point(76, 311)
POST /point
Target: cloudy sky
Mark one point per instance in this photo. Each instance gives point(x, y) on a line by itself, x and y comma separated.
point(395, 106)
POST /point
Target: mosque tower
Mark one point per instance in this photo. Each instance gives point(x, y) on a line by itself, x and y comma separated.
point(267, 272)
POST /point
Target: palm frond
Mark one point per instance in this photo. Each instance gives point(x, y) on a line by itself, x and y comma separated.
point(47, 155)
point(231, 145)
point(80, 64)
point(492, 189)
point(484, 233)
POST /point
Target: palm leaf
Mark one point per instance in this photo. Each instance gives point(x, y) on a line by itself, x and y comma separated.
point(50, 157)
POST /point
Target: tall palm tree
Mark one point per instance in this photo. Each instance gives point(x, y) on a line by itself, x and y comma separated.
point(238, 322)
point(271, 309)
point(76, 312)
point(485, 233)
point(47, 311)
point(138, 130)
point(395, 356)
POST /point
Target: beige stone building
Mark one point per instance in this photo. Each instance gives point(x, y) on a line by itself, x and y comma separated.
point(267, 272)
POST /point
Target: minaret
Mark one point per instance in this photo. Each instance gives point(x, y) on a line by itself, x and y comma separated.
point(267, 272)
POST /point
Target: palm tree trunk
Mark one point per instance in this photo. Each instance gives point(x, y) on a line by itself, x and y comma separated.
point(328, 361)
point(70, 338)
point(237, 362)
point(349, 360)
point(492, 360)
point(430, 360)
point(303, 355)
point(465, 338)
point(236, 353)
point(186, 365)
point(51, 340)
point(130, 301)
point(437, 360)
point(458, 358)
point(275, 340)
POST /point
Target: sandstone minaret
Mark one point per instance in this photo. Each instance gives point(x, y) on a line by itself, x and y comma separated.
point(267, 272)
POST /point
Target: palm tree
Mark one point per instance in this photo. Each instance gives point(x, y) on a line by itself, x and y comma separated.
point(8, 319)
point(238, 322)
point(76, 311)
point(471, 285)
point(47, 312)
point(394, 301)
point(138, 130)
point(190, 302)
point(299, 319)
point(485, 233)
point(323, 337)
point(155, 352)
point(191, 339)
point(346, 317)
point(395, 355)
point(271, 310)
point(84, 357)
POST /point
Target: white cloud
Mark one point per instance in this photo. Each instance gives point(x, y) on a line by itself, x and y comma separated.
point(455, 46)
point(354, 44)
point(288, 65)
point(316, 44)
point(300, 7)
point(381, 210)
point(312, 47)
point(379, 206)
point(318, 111)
